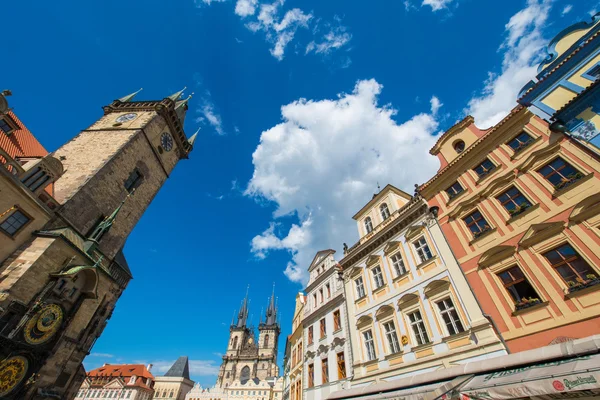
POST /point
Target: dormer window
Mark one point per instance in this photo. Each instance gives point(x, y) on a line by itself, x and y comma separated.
point(368, 225)
point(459, 146)
point(5, 126)
point(385, 212)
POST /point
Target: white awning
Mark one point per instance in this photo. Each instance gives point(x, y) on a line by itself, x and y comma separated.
point(580, 374)
point(424, 392)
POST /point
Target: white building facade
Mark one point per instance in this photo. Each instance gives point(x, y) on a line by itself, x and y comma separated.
point(328, 353)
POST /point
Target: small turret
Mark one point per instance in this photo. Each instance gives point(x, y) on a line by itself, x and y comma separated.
point(129, 97)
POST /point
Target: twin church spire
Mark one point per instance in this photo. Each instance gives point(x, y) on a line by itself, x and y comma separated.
point(270, 316)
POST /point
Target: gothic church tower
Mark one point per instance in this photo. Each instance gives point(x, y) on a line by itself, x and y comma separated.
point(59, 288)
point(246, 358)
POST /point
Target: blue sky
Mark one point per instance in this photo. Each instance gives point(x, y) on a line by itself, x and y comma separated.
point(303, 107)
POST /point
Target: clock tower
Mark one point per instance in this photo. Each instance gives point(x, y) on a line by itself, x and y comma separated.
point(59, 288)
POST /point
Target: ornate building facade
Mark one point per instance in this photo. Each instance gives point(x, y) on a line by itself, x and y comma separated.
point(248, 357)
point(126, 381)
point(294, 357)
point(176, 383)
point(61, 283)
point(327, 356)
point(409, 306)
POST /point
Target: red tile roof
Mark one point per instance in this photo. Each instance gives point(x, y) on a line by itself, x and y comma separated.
point(124, 370)
point(21, 142)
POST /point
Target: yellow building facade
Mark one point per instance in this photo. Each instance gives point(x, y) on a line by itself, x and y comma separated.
point(410, 308)
point(294, 359)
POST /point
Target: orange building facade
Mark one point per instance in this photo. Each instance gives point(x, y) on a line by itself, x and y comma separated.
point(520, 207)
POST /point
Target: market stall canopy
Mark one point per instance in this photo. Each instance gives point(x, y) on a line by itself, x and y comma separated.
point(579, 374)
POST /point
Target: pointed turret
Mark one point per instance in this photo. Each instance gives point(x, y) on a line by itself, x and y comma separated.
point(192, 138)
point(103, 227)
point(243, 314)
point(271, 317)
point(177, 95)
point(181, 108)
point(180, 369)
point(129, 97)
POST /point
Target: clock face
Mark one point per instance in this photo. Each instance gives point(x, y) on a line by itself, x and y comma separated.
point(44, 324)
point(13, 371)
point(166, 140)
point(126, 117)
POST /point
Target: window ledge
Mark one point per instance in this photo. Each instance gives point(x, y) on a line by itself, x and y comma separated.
point(484, 234)
point(323, 339)
point(457, 336)
point(399, 277)
point(524, 212)
point(360, 298)
point(451, 200)
point(380, 288)
point(533, 307)
point(426, 262)
point(486, 176)
point(521, 151)
point(561, 191)
point(394, 355)
point(583, 291)
point(338, 330)
point(420, 347)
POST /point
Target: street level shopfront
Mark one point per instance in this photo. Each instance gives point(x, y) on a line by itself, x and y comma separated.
point(561, 371)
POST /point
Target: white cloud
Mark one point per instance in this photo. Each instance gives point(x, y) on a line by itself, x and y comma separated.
point(323, 162)
point(245, 8)
point(208, 2)
point(521, 47)
point(567, 9)
point(435, 5)
point(102, 355)
point(333, 40)
point(213, 118)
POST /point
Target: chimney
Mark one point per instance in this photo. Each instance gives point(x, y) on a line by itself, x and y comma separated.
point(149, 367)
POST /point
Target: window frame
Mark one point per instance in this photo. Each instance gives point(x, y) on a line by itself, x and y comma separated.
point(518, 209)
point(486, 171)
point(369, 344)
point(486, 228)
point(448, 311)
point(567, 261)
point(133, 182)
point(384, 215)
point(391, 336)
point(458, 143)
point(21, 227)
point(564, 183)
point(398, 254)
point(587, 74)
point(311, 337)
point(341, 368)
point(324, 370)
point(8, 121)
point(422, 334)
point(377, 277)
point(418, 248)
point(360, 288)
point(337, 320)
point(523, 144)
point(322, 329)
point(455, 193)
point(368, 223)
point(311, 375)
point(516, 303)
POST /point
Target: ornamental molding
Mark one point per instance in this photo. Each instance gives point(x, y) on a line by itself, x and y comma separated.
point(540, 232)
point(495, 255)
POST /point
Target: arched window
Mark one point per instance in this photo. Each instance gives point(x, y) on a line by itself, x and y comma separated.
point(266, 340)
point(368, 224)
point(459, 146)
point(385, 212)
point(235, 343)
point(245, 374)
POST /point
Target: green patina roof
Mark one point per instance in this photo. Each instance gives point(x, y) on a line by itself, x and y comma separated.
point(74, 270)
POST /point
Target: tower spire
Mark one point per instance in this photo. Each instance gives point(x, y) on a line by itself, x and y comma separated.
point(181, 107)
point(129, 97)
point(272, 310)
point(177, 95)
point(192, 138)
point(243, 314)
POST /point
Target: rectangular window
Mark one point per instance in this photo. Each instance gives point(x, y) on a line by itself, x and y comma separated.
point(519, 142)
point(311, 375)
point(398, 264)
point(328, 287)
point(593, 73)
point(569, 265)
point(392, 338)
point(310, 335)
point(314, 300)
point(5, 126)
point(14, 223)
point(513, 201)
point(450, 317)
point(134, 180)
point(321, 294)
point(323, 329)
point(341, 363)
point(560, 173)
point(360, 288)
point(454, 190)
point(325, 370)
point(418, 327)
point(517, 286)
point(422, 249)
point(484, 168)
point(369, 345)
point(337, 325)
point(476, 223)
point(377, 277)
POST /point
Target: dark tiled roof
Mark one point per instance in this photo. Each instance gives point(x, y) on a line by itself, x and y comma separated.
point(120, 259)
point(180, 369)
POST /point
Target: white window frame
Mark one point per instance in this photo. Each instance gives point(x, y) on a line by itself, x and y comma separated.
point(360, 287)
point(368, 224)
point(420, 249)
point(398, 264)
point(449, 311)
point(369, 345)
point(384, 211)
point(392, 337)
point(419, 334)
point(378, 277)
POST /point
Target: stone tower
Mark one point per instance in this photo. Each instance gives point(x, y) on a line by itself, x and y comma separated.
point(246, 358)
point(59, 288)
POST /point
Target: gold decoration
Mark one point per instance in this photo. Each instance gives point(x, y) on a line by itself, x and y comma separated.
point(12, 373)
point(44, 324)
point(404, 340)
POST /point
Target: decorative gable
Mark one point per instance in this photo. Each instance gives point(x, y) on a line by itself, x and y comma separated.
point(390, 246)
point(540, 232)
point(496, 254)
point(586, 209)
